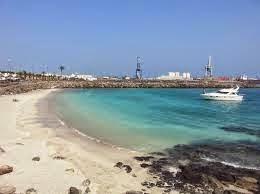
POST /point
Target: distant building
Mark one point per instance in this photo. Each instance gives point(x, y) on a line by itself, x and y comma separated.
point(126, 78)
point(80, 76)
point(175, 76)
point(9, 77)
point(243, 77)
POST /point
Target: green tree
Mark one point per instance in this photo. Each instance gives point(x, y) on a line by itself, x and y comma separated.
point(61, 68)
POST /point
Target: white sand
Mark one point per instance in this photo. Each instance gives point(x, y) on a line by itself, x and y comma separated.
point(24, 135)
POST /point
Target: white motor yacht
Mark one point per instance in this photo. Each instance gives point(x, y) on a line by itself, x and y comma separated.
point(230, 94)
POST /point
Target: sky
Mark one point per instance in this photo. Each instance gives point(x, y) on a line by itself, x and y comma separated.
point(104, 37)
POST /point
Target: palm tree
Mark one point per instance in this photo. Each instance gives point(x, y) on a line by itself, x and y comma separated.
point(62, 67)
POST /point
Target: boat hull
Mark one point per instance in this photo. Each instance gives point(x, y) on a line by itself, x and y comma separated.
point(222, 98)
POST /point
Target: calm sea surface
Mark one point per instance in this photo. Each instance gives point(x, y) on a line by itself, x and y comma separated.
point(153, 119)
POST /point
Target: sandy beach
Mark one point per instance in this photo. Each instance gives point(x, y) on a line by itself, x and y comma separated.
point(48, 157)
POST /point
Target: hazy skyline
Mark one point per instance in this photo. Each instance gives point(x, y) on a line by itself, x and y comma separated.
point(106, 36)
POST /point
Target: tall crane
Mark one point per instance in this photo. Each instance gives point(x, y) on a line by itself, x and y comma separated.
point(138, 72)
point(209, 68)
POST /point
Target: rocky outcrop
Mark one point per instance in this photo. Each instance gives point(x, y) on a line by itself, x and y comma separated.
point(4, 169)
point(207, 167)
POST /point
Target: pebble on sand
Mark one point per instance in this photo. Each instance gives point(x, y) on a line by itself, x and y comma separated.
point(74, 190)
point(134, 192)
point(4, 169)
point(7, 189)
point(36, 158)
point(2, 150)
point(31, 191)
point(86, 183)
point(59, 158)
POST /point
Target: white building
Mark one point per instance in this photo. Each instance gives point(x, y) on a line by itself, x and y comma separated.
point(82, 76)
point(8, 76)
point(243, 77)
point(175, 76)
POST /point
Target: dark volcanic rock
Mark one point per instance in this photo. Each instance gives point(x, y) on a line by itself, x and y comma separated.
point(203, 166)
point(144, 165)
point(128, 168)
point(119, 165)
point(37, 158)
point(74, 190)
point(158, 153)
point(134, 192)
point(148, 184)
point(31, 191)
point(2, 150)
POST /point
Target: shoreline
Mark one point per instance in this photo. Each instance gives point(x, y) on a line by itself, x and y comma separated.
point(66, 158)
point(50, 157)
point(79, 133)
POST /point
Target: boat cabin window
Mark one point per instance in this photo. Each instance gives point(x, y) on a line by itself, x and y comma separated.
point(220, 92)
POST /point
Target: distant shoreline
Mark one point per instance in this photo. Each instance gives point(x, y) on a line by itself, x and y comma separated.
point(7, 88)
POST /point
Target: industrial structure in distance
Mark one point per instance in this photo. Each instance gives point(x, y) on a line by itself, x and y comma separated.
point(10, 74)
point(175, 76)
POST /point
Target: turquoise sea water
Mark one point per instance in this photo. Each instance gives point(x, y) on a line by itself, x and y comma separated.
point(153, 119)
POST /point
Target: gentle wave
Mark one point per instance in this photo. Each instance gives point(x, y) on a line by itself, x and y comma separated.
point(231, 164)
